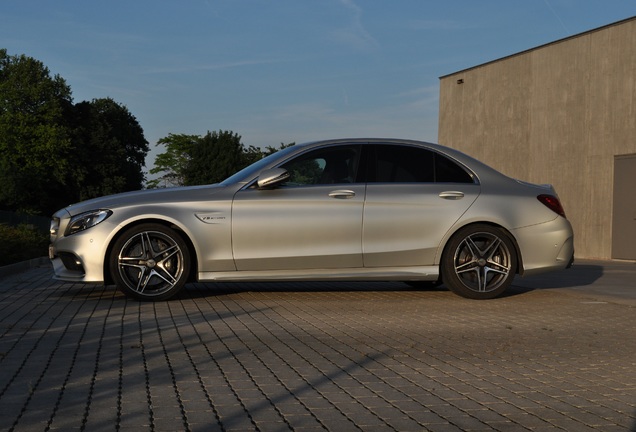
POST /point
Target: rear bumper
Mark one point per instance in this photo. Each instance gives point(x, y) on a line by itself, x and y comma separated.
point(545, 247)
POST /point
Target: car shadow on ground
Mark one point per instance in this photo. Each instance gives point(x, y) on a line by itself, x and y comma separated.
point(204, 289)
point(577, 276)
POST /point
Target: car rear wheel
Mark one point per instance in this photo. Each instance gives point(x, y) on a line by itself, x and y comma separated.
point(150, 262)
point(479, 262)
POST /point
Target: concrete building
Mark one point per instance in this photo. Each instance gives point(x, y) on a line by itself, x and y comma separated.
point(562, 113)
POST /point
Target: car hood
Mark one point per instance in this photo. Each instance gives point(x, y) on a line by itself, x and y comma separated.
point(146, 196)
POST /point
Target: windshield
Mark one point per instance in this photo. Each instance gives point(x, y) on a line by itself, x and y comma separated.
point(251, 172)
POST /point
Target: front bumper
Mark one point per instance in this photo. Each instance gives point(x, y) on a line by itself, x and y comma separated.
point(79, 257)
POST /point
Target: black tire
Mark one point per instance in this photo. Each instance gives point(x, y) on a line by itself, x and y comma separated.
point(479, 262)
point(150, 262)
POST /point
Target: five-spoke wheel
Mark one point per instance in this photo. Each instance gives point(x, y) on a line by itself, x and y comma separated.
point(150, 262)
point(479, 262)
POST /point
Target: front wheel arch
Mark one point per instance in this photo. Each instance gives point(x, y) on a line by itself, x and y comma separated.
point(191, 277)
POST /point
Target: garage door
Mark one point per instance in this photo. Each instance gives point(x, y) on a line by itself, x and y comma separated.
point(624, 212)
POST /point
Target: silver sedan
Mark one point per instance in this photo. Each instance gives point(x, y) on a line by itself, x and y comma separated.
point(354, 209)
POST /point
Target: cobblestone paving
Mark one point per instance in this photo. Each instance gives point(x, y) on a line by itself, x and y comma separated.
point(310, 357)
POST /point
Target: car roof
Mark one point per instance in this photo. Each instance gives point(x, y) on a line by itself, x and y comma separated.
point(387, 141)
point(462, 157)
point(480, 170)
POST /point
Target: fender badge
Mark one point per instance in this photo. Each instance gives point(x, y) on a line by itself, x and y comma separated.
point(210, 218)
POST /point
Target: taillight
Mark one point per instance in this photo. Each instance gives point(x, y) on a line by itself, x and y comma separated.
point(553, 203)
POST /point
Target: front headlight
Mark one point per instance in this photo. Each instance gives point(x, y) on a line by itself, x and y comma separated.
point(84, 221)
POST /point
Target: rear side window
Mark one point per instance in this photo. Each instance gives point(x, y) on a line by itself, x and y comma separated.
point(448, 171)
point(406, 164)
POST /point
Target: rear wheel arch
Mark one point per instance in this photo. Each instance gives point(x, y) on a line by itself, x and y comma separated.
point(508, 256)
point(518, 270)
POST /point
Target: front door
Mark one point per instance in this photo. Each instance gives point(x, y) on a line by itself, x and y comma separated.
point(314, 221)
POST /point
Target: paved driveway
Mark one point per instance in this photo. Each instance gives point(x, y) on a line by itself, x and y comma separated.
point(558, 353)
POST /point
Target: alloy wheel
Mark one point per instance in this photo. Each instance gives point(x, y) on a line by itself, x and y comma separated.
point(150, 263)
point(482, 262)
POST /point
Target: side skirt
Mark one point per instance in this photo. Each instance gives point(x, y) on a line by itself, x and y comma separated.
point(420, 273)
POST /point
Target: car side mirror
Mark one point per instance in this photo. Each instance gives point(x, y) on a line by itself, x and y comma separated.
point(272, 177)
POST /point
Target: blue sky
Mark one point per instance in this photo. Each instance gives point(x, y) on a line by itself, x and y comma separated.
point(280, 71)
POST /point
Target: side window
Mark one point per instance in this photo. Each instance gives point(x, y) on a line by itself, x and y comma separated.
point(330, 165)
point(448, 171)
point(401, 164)
point(405, 164)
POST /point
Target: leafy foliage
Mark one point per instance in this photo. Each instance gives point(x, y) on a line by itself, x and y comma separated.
point(21, 243)
point(109, 138)
point(52, 152)
point(174, 161)
point(35, 139)
point(195, 160)
point(215, 157)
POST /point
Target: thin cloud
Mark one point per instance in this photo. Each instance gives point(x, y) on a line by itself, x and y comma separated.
point(208, 67)
point(435, 25)
point(304, 111)
point(420, 92)
point(556, 15)
point(355, 34)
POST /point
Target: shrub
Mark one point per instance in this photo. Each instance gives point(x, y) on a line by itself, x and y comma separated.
point(21, 243)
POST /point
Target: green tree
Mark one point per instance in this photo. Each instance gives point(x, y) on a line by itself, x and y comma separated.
point(216, 156)
point(53, 153)
point(110, 149)
point(35, 139)
point(254, 154)
point(196, 160)
point(174, 161)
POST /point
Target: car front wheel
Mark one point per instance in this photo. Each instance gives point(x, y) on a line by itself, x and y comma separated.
point(150, 262)
point(479, 262)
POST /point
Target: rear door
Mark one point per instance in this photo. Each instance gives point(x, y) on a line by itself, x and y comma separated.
point(414, 196)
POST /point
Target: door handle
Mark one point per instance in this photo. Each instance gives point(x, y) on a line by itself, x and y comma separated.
point(452, 195)
point(342, 194)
